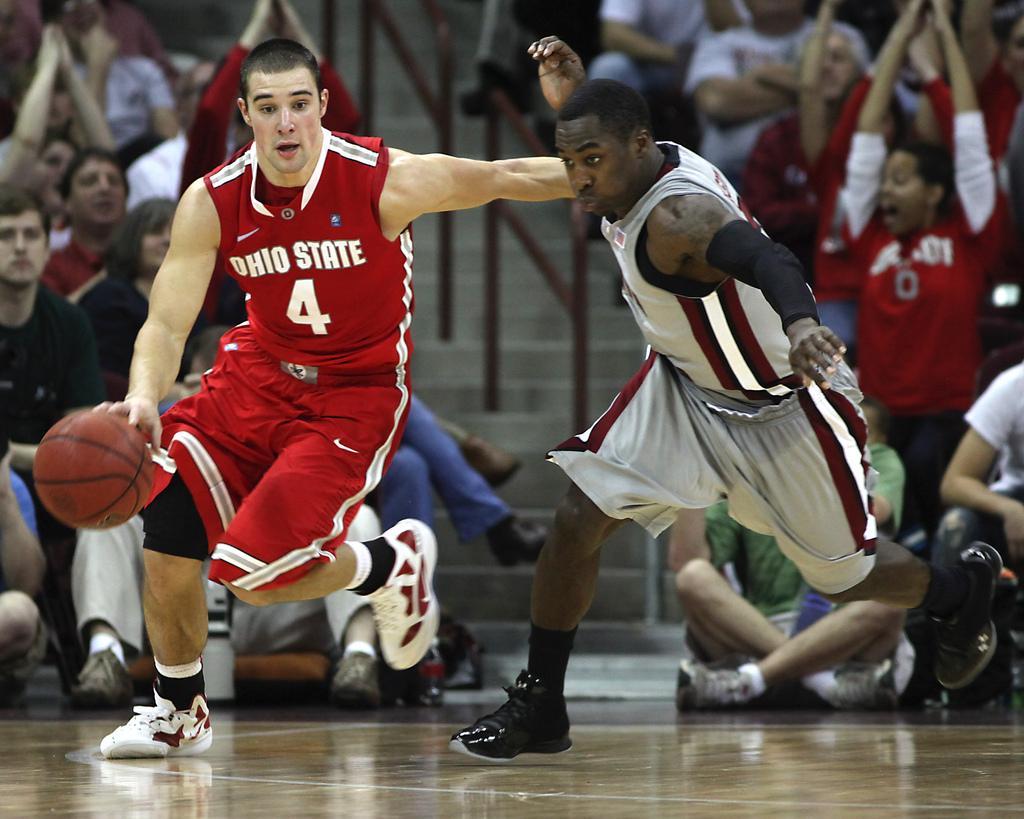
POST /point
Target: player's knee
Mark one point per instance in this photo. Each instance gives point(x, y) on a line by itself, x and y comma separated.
point(692, 578)
point(167, 576)
point(579, 527)
point(19, 620)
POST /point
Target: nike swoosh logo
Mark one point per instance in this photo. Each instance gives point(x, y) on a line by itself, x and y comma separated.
point(245, 236)
point(337, 442)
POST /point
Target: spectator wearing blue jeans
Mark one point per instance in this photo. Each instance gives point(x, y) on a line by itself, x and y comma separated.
point(430, 458)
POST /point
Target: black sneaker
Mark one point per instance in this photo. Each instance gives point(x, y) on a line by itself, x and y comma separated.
point(533, 721)
point(967, 640)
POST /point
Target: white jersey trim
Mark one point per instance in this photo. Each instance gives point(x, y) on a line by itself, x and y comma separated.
point(232, 171)
point(733, 356)
point(208, 469)
point(350, 150)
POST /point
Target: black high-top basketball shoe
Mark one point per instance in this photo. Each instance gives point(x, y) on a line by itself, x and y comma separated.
point(533, 721)
point(966, 641)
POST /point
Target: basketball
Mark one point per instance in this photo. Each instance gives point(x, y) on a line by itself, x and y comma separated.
point(92, 470)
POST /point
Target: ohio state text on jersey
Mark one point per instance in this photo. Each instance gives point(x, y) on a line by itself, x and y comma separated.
point(323, 286)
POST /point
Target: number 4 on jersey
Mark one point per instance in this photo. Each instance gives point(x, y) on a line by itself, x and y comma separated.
point(303, 307)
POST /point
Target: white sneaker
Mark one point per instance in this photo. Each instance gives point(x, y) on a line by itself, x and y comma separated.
point(160, 731)
point(405, 607)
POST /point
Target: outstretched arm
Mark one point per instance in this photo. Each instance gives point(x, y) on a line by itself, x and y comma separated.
point(30, 126)
point(979, 41)
point(975, 172)
point(876, 106)
point(812, 109)
point(431, 183)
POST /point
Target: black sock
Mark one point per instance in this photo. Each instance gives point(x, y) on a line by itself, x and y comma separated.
point(947, 590)
point(382, 561)
point(549, 656)
point(180, 690)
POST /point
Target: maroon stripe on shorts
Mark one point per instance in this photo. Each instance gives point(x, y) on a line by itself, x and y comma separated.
point(842, 478)
point(858, 428)
point(748, 344)
point(604, 423)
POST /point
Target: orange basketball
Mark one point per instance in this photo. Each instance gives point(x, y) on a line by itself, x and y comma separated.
point(93, 470)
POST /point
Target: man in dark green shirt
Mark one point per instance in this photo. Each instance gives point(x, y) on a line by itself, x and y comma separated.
point(48, 362)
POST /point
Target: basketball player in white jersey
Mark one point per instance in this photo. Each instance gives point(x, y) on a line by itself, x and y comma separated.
point(743, 395)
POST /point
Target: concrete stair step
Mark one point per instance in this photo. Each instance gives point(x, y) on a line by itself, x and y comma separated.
point(626, 548)
point(515, 395)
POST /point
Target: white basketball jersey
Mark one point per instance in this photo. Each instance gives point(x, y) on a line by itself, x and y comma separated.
point(729, 341)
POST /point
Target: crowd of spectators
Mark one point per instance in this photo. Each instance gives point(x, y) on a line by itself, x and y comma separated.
point(882, 142)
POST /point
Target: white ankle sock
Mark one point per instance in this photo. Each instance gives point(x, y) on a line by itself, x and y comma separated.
point(822, 683)
point(180, 672)
point(363, 563)
point(103, 640)
point(753, 673)
point(360, 647)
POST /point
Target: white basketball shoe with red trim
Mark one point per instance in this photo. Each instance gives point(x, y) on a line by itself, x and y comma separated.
point(405, 607)
point(161, 731)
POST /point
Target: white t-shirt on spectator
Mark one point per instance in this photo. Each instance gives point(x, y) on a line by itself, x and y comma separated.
point(669, 21)
point(998, 417)
point(157, 174)
point(135, 86)
point(731, 54)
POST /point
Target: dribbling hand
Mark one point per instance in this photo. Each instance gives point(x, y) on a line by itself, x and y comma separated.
point(560, 70)
point(140, 412)
point(814, 351)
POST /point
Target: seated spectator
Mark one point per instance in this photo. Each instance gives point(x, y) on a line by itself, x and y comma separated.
point(53, 105)
point(94, 191)
point(117, 303)
point(157, 174)
point(776, 185)
point(132, 90)
point(987, 508)
point(22, 633)
point(109, 600)
point(48, 360)
point(744, 77)
point(430, 458)
point(926, 261)
point(843, 656)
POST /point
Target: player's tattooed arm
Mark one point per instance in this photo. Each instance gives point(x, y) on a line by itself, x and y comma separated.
point(679, 230)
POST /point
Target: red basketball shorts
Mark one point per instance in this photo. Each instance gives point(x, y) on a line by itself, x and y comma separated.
point(277, 467)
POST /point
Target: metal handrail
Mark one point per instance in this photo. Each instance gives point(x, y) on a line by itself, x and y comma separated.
point(571, 295)
point(377, 14)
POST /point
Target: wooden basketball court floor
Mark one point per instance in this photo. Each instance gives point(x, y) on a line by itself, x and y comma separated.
point(631, 759)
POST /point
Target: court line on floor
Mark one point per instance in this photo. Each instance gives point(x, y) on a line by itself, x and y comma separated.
point(89, 756)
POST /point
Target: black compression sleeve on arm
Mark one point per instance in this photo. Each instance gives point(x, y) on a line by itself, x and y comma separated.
point(746, 254)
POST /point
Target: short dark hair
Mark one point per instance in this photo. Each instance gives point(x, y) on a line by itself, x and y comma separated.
point(273, 57)
point(882, 411)
point(122, 257)
point(83, 156)
point(15, 201)
point(935, 166)
point(620, 109)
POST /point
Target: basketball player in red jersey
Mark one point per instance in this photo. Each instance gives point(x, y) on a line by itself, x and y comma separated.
point(743, 395)
point(299, 416)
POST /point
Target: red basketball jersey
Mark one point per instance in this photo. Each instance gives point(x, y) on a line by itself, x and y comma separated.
point(323, 286)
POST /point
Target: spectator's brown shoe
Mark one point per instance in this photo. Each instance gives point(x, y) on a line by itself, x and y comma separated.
point(494, 463)
point(103, 682)
point(355, 683)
